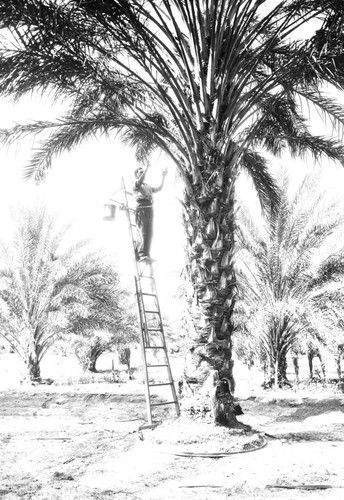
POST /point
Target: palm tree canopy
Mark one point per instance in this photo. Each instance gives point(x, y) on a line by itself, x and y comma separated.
point(47, 290)
point(282, 280)
point(209, 82)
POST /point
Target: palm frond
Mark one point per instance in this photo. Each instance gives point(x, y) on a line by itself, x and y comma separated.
point(67, 136)
point(330, 270)
point(256, 166)
point(329, 107)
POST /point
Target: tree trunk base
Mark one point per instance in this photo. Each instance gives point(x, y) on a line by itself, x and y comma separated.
point(223, 405)
point(282, 383)
point(210, 403)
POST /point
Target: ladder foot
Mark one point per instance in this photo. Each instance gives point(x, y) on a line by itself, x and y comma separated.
point(153, 425)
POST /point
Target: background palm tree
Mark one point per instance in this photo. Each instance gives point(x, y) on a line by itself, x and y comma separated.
point(287, 268)
point(48, 290)
point(210, 83)
point(328, 317)
point(111, 325)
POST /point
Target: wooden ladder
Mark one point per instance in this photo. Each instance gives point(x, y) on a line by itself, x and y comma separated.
point(155, 358)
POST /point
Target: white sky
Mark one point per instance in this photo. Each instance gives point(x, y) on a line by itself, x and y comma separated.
point(81, 182)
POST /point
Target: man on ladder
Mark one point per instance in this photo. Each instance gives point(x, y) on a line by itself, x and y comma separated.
point(154, 349)
point(143, 194)
point(153, 343)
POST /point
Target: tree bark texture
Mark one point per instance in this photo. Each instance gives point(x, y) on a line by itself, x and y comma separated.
point(91, 364)
point(34, 368)
point(277, 369)
point(96, 350)
point(208, 374)
point(124, 355)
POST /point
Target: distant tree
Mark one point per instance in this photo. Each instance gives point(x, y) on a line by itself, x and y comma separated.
point(119, 330)
point(47, 289)
point(328, 315)
point(124, 356)
point(282, 278)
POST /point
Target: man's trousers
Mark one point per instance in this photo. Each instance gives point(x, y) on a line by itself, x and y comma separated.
point(144, 223)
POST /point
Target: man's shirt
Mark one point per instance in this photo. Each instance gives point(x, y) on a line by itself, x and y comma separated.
point(143, 193)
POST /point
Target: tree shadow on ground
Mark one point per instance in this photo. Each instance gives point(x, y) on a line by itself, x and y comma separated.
point(309, 408)
point(298, 419)
point(314, 436)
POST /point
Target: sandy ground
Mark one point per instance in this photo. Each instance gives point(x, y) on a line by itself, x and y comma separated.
point(82, 441)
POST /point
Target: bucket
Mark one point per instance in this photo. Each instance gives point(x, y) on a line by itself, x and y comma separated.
point(109, 211)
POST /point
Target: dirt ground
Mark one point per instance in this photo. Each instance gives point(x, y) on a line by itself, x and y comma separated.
point(82, 441)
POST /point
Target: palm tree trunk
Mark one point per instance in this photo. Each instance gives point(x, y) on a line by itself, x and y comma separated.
point(91, 364)
point(337, 360)
point(208, 375)
point(94, 353)
point(276, 373)
point(33, 367)
point(278, 370)
point(124, 355)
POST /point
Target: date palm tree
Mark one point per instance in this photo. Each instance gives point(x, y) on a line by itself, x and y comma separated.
point(212, 83)
point(288, 269)
point(47, 292)
point(328, 317)
point(111, 324)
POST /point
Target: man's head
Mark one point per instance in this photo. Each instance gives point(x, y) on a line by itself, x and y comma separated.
point(138, 172)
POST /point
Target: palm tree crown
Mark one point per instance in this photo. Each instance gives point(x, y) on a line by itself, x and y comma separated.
point(46, 292)
point(205, 81)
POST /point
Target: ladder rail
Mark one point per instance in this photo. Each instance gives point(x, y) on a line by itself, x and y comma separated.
point(144, 363)
point(163, 346)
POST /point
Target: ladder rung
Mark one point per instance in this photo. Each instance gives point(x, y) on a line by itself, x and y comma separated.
point(152, 312)
point(149, 294)
point(155, 366)
point(154, 329)
point(160, 384)
point(155, 347)
point(161, 404)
